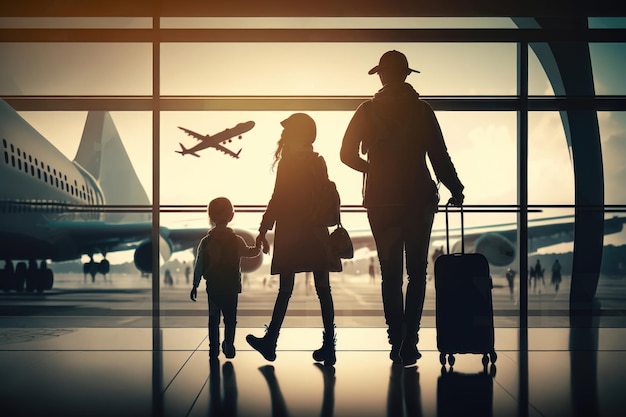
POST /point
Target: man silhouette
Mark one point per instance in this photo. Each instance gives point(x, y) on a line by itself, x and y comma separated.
point(396, 129)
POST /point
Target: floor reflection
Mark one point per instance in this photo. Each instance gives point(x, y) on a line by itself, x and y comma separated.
point(577, 371)
point(583, 347)
point(222, 403)
point(465, 394)
point(404, 397)
point(279, 406)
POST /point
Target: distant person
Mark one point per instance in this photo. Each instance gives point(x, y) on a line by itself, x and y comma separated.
point(307, 282)
point(539, 270)
point(556, 275)
point(510, 279)
point(167, 278)
point(187, 274)
point(436, 254)
point(536, 274)
point(218, 262)
point(300, 244)
point(397, 130)
point(372, 271)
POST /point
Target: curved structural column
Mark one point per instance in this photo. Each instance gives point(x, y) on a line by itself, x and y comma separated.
point(568, 67)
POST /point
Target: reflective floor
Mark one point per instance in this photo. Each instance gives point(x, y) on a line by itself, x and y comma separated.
point(115, 372)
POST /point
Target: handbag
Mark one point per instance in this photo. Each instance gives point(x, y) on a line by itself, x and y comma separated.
point(340, 243)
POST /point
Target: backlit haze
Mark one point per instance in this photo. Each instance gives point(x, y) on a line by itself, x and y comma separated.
point(482, 144)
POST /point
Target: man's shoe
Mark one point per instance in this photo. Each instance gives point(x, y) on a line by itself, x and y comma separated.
point(409, 354)
point(394, 355)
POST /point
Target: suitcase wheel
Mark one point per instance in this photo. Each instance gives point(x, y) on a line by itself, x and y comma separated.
point(489, 356)
point(442, 359)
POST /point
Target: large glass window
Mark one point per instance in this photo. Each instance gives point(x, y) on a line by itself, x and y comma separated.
point(613, 270)
point(75, 203)
point(208, 87)
point(332, 69)
point(606, 60)
point(79, 69)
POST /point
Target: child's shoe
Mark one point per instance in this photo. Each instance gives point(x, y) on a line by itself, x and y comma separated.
point(229, 349)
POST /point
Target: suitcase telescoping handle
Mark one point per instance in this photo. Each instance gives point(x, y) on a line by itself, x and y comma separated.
point(449, 203)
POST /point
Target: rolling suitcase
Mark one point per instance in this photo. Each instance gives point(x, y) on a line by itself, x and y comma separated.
point(464, 309)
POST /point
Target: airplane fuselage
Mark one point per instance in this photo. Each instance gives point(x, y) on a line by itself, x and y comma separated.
point(40, 186)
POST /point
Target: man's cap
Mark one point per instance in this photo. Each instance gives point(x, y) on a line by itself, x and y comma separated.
point(392, 60)
point(302, 125)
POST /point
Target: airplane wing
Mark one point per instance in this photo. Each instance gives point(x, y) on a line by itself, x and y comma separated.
point(112, 237)
point(226, 151)
point(101, 237)
point(498, 242)
point(194, 134)
point(98, 236)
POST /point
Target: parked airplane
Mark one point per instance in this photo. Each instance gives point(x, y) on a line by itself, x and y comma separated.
point(216, 140)
point(55, 209)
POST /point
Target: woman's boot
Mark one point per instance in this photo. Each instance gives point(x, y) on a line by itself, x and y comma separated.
point(326, 353)
point(265, 345)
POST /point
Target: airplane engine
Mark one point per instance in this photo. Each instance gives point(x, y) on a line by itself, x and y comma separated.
point(498, 250)
point(249, 264)
point(143, 254)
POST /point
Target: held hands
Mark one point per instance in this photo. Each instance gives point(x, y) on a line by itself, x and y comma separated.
point(193, 294)
point(261, 241)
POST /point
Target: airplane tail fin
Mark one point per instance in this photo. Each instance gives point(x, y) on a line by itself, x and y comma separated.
point(102, 153)
point(183, 150)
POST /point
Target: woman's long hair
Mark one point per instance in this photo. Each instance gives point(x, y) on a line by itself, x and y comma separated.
point(279, 151)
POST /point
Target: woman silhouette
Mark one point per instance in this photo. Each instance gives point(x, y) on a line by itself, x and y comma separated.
point(300, 243)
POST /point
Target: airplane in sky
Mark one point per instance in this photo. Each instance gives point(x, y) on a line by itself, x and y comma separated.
point(56, 209)
point(216, 141)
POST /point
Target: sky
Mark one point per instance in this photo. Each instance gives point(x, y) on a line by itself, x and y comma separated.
point(482, 145)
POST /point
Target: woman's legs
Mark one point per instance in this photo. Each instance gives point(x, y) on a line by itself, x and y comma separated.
point(266, 345)
point(322, 286)
point(285, 289)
